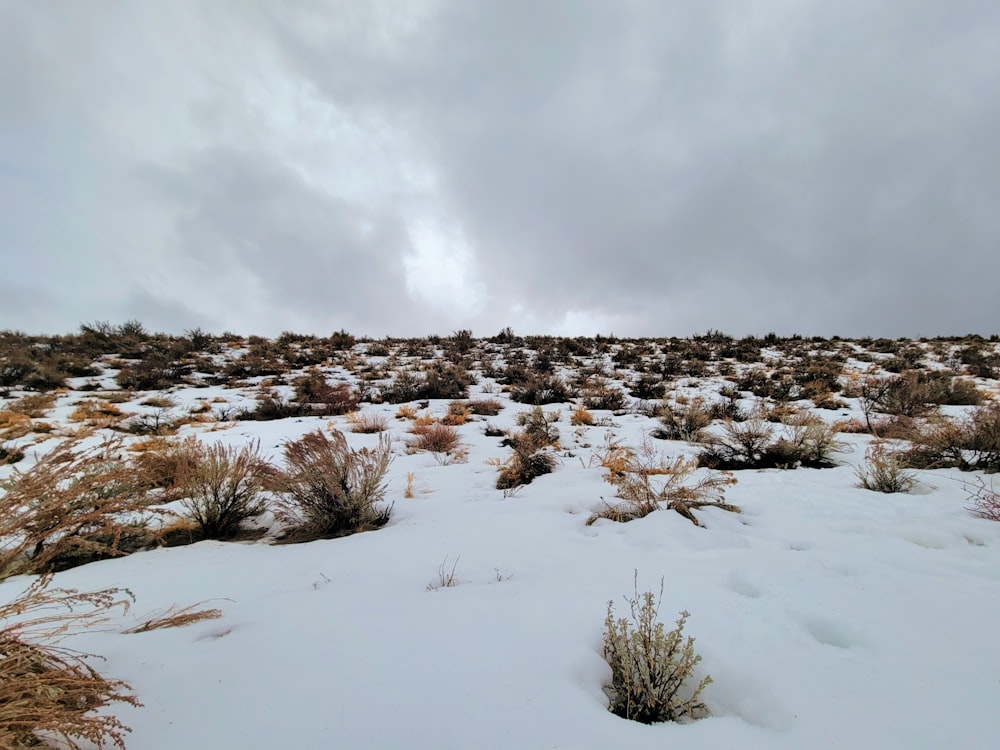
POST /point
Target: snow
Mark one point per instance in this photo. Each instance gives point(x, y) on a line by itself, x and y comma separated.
point(828, 616)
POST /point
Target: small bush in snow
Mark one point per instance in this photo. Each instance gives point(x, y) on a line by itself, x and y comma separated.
point(985, 501)
point(883, 471)
point(652, 670)
point(329, 489)
point(224, 489)
point(649, 483)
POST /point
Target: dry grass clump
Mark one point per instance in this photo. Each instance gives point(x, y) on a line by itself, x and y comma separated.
point(34, 405)
point(175, 617)
point(166, 466)
point(223, 488)
point(74, 505)
point(883, 471)
point(48, 692)
point(97, 413)
point(368, 423)
point(458, 414)
point(435, 437)
point(581, 417)
point(652, 670)
point(406, 411)
point(488, 407)
point(648, 483)
point(329, 489)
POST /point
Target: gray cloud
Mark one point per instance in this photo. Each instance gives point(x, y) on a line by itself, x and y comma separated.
point(652, 168)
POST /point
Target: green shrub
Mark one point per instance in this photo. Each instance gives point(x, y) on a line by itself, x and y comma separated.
point(652, 670)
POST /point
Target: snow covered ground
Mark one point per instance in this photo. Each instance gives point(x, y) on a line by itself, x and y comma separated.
point(827, 615)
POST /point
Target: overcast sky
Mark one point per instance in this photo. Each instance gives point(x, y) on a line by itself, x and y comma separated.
point(579, 167)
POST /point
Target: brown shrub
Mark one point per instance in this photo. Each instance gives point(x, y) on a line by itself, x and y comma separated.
point(329, 489)
point(223, 488)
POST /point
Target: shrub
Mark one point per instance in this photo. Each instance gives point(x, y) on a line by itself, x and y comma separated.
point(684, 421)
point(531, 457)
point(329, 489)
point(224, 488)
point(488, 407)
point(49, 692)
point(652, 671)
point(313, 390)
point(523, 466)
point(757, 444)
point(598, 393)
point(970, 443)
point(540, 389)
point(72, 506)
point(539, 429)
point(675, 489)
point(883, 471)
point(985, 501)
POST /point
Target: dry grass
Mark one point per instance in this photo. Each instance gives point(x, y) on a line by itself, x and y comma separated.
point(581, 417)
point(883, 471)
point(70, 508)
point(446, 578)
point(488, 407)
point(34, 405)
point(368, 424)
point(48, 692)
point(166, 466)
point(160, 402)
point(14, 425)
point(647, 483)
point(175, 617)
point(406, 412)
point(97, 413)
point(435, 437)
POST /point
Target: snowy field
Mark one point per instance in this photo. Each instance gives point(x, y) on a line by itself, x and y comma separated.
point(827, 615)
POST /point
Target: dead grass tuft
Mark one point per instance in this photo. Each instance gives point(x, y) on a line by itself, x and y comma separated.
point(647, 483)
point(176, 617)
point(48, 692)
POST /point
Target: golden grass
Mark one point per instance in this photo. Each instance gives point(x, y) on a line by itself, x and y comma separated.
point(70, 507)
point(48, 692)
point(176, 617)
point(367, 424)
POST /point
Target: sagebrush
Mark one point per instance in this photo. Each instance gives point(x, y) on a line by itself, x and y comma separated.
point(652, 670)
point(329, 489)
